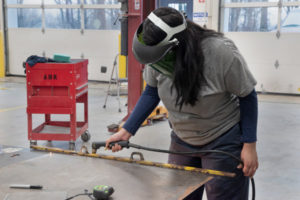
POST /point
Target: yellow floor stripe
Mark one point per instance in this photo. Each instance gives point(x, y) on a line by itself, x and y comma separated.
point(11, 109)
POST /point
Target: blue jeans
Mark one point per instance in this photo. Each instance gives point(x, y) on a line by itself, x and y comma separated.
point(219, 188)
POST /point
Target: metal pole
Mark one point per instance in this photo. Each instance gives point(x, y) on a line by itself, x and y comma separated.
point(137, 12)
point(140, 162)
point(5, 35)
point(43, 17)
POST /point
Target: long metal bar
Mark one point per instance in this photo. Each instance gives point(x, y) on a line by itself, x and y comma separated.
point(5, 36)
point(43, 16)
point(141, 162)
point(23, 5)
point(279, 18)
point(2, 45)
point(82, 22)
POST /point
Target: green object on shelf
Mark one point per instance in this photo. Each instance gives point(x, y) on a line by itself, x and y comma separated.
point(61, 58)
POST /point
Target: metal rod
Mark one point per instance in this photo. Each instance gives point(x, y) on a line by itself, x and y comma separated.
point(141, 162)
point(5, 36)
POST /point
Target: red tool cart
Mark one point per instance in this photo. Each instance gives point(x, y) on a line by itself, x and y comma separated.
point(55, 88)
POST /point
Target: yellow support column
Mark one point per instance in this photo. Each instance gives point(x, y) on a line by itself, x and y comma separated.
point(122, 62)
point(2, 63)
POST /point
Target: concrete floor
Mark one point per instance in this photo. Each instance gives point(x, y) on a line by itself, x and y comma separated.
point(278, 176)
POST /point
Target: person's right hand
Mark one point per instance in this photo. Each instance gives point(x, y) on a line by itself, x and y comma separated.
point(122, 134)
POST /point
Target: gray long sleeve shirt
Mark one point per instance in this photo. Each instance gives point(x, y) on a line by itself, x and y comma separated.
point(217, 109)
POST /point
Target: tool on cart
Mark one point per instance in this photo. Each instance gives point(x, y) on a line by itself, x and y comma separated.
point(127, 144)
point(100, 192)
point(61, 58)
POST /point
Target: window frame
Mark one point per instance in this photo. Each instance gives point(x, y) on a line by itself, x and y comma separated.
point(279, 4)
point(82, 7)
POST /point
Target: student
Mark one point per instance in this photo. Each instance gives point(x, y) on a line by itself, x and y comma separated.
point(208, 90)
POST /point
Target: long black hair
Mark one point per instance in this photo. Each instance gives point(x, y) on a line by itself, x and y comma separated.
point(188, 70)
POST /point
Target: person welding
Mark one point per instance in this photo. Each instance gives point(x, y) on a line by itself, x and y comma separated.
point(208, 90)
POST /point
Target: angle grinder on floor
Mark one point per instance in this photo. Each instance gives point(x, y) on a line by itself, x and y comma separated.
point(102, 192)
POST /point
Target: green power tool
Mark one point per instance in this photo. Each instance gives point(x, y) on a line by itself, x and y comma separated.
point(101, 192)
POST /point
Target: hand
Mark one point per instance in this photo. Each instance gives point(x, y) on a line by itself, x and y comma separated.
point(122, 134)
point(249, 157)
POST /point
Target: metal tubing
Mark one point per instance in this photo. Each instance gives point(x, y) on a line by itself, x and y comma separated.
point(124, 36)
point(141, 162)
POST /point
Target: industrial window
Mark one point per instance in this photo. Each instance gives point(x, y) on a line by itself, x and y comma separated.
point(102, 19)
point(24, 2)
point(62, 18)
point(245, 1)
point(178, 6)
point(64, 14)
point(290, 19)
point(61, 2)
point(101, 1)
point(260, 15)
point(24, 18)
point(250, 19)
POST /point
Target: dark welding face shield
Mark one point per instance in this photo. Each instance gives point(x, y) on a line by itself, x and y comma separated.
point(147, 54)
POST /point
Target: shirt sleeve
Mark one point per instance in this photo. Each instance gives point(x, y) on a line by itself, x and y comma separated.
point(150, 76)
point(238, 78)
point(145, 105)
point(249, 113)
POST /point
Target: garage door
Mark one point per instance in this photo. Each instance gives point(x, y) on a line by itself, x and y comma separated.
point(82, 29)
point(267, 32)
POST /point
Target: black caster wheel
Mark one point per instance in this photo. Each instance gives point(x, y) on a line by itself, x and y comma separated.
point(120, 110)
point(72, 146)
point(149, 122)
point(33, 142)
point(104, 106)
point(86, 136)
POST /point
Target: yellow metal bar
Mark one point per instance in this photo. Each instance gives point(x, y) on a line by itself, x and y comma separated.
point(2, 61)
point(141, 162)
point(122, 62)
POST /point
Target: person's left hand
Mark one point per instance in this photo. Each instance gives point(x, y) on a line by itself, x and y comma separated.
point(249, 157)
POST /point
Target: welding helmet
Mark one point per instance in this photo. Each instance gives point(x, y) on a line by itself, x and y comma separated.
point(149, 54)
